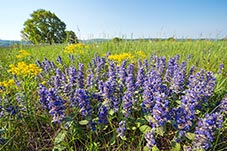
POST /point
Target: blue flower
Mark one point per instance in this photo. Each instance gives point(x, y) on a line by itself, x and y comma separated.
point(72, 75)
point(12, 109)
point(140, 78)
point(112, 74)
point(172, 65)
point(16, 80)
point(127, 103)
point(43, 94)
point(202, 84)
point(121, 129)
point(223, 106)
point(46, 65)
point(146, 65)
point(205, 130)
point(80, 75)
point(221, 67)
point(122, 72)
point(151, 88)
point(130, 69)
point(103, 113)
point(56, 105)
point(82, 100)
point(90, 78)
point(178, 79)
point(149, 137)
point(160, 65)
point(59, 60)
point(160, 112)
point(71, 58)
point(183, 118)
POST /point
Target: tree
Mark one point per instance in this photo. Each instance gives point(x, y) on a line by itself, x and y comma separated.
point(117, 39)
point(71, 37)
point(44, 27)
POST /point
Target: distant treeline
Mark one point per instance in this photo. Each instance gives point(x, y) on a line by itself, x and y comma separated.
point(7, 43)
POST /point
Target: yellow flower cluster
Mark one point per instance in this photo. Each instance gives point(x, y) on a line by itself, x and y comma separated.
point(76, 48)
point(121, 57)
point(24, 69)
point(141, 54)
point(22, 54)
point(7, 83)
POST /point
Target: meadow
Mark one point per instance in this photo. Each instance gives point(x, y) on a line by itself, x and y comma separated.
point(114, 95)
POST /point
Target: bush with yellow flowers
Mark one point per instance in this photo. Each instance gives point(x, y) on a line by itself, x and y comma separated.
point(23, 54)
point(121, 57)
point(78, 48)
point(24, 69)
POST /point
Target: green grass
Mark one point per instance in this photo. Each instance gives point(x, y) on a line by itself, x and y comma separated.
point(36, 131)
point(206, 54)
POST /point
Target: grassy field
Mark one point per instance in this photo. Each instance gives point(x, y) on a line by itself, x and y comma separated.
point(75, 98)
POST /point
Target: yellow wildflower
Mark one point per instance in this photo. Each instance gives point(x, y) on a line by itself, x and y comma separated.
point(7, 83)
point(22, 54)
point(44, 82)
point(75, 48)
point(121, 57)
point(24, 69)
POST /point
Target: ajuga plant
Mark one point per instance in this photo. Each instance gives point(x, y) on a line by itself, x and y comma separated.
point(155, 103)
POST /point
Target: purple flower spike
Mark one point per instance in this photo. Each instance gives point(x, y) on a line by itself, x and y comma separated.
point(43, 93)
point(80, 75)
point(103, 113)
point(121, 129)
point(149, 137)
point(82, 100)
point(56, 105)
point(204, 134)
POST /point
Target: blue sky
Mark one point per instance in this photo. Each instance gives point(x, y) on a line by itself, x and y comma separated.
point(123, 18)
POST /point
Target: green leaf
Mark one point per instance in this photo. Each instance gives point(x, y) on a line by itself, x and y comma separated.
point(190, 136)
point(178, 102)
point(145, 128)
point(113, 140)
point(83, 122)
point(123, 138)
point(134, 128)
point(155, 148)
point(160, 131)
point(44, 118)
point(105, 127)
point(176, 147)
point(59, 148)
point(148, 117)
point(140, 121)
point(145, 148)
point(68, 118)
point(111, 112)
point(197, 111)
point(60, 137)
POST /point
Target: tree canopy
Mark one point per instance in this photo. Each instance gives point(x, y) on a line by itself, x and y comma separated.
point(44, 27)
point(71, 37)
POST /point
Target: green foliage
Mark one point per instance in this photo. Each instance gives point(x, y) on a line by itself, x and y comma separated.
point(71, 37)
point(44, 27)
point(116, 39)
point(145, 128)
point(36, 128)
point(176, 147)
point(171, 39)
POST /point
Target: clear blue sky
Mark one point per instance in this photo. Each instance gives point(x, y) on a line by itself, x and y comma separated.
point(109, 18)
